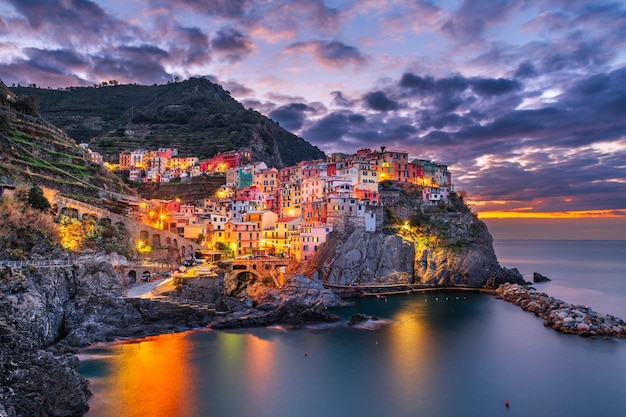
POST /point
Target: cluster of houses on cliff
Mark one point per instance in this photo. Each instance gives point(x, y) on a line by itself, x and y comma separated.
point(290, 211)
point(164, 164)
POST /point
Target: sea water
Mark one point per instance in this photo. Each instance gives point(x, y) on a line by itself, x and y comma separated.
point(584, 272)
point(433, 354)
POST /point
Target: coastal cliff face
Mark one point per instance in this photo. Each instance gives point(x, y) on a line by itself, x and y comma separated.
point(33, 379)
point(46, 312)
point(447, 249)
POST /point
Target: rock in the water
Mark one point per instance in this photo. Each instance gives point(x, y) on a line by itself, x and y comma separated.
point(537, 277)
point(360, 318)
point(300, 300)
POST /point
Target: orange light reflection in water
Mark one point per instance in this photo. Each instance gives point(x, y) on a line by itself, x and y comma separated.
point(259, 362)
point(411, 353)
point(154, 378)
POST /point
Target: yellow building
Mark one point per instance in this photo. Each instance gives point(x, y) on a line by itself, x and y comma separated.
point(277, 241)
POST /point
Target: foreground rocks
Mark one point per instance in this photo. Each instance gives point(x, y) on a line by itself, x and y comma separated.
point(47, 314)
point(537, 278)
point(561, 316)
point(299, 301)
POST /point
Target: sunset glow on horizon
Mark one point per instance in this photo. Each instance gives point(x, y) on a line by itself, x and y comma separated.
point(589, 214)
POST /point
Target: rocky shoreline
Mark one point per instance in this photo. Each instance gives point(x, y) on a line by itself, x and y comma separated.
point(46, 316)
point(561, 316)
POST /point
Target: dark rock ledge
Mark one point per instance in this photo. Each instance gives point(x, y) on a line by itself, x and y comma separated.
point(561, 316)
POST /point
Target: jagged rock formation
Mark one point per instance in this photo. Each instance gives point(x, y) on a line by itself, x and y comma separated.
point(45, 313)
point(300, 301)
point(537, 277)
point(464, 256)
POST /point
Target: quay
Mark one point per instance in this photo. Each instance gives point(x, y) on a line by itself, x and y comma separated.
point(397, 289)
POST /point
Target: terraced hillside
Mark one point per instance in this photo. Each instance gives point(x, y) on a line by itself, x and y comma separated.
point(36, 152)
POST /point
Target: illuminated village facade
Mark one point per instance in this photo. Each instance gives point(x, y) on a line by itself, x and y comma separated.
point(288, 212)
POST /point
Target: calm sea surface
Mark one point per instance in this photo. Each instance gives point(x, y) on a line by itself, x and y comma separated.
point(435, 354)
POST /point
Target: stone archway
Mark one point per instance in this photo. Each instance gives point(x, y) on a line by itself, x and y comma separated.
point(236, 282)
point(132, 276)
point(248, 277)
point(70, 212)
point(156, 240)
point(90, 217)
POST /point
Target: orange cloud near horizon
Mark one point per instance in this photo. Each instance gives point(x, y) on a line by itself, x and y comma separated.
point(518, 214)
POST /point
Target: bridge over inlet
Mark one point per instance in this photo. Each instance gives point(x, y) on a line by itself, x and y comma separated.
point(267, 269)
point(137, 231)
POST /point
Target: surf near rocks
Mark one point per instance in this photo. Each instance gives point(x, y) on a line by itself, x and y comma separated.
point(561, 316)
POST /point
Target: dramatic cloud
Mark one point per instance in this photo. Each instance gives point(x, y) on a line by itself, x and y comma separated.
point(341, 100)
point(379, 101)
point(330, 54)
point(473, 17)
point(291, 116)
point(232, 44)
point(525, 101)
point(231, 9)
point(191, 46)
point(60, 13)
point(127, 63)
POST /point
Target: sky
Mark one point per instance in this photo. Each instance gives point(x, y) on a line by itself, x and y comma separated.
point(525, 101)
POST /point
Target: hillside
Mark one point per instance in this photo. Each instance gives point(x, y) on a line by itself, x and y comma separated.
point(32, 151)
point(196, 116)
point(197, 188)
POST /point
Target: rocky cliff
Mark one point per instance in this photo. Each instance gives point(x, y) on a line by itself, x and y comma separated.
point(45, 313)
point(444, 249)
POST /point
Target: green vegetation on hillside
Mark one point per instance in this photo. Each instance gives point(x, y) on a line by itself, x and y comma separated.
point(34, 152)
point(196, 116)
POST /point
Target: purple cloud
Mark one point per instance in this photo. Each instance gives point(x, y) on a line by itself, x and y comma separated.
point(231, 43)
point(330, 54)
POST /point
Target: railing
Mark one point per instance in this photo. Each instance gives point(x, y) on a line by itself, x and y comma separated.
point(153, 265)
point(58, 263)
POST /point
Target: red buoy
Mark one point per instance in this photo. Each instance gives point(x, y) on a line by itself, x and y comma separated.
point(306, 354)
point(507, 403)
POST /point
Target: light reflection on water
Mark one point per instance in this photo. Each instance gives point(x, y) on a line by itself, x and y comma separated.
point(149, 377)
point(440, 354)
point(435, 354)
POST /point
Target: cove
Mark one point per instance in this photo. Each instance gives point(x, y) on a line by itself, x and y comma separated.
point(432, 354)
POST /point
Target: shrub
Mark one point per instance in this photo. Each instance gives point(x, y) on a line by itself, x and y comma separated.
point(22, 227)
point(37, 200)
